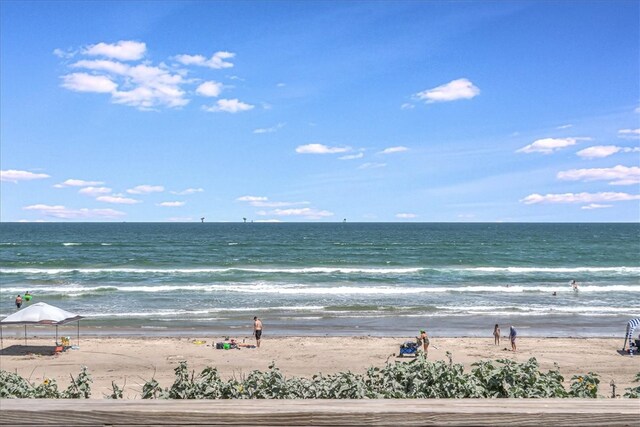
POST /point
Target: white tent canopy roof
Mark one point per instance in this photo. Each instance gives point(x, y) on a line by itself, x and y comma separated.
point(42, 314)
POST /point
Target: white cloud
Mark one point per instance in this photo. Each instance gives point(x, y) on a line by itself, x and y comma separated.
point(228, 106)
point(59, 211)
point(549, 145)
point(188, 191)
point(94, 191)
point(124, 50)
point(307, 213)
point(78, 183)
point(595, 206)
point(146, 189)
point(320, 149)
point(118, 200)
point(406, 215)
point(217, 60)
point(391, 150)
point(352, 156)
point(171, 204)
point(281, 85)
point(267, 220)
point(83, 82)
point(269, 130)
point(113, 67)
point(210, 89)
point(65, 54)
point(407, 106)
point(629, 133)
point(599, 151)
point(617, 175)
point(263, 202)
point(637, 110)
point(579, 198)
point(565, 126)
point(372, 165)
point(12, 175)
point(452, 91)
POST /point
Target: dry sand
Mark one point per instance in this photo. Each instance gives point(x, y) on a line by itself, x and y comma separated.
point(136, 360)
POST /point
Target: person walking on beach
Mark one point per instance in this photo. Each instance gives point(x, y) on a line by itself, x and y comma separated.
point(257, 330)
point(496, 334)
point(512, 337)
point(424, 339)
point(18, 302)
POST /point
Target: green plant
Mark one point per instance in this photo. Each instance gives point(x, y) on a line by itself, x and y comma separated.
point(584, 385)
point(634, 392)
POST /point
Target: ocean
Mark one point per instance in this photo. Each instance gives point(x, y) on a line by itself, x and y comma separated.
point(379, 279)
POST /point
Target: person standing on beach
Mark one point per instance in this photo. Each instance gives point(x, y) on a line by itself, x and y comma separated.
point(512, 337)
point(257, 330)
point(424, 338)
point(496, 334)
point(18, 302)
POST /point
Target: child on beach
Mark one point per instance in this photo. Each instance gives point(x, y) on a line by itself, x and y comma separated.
point(496, 334)
point(512, 337)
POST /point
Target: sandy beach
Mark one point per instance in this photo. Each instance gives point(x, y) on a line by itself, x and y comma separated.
point(134, 360)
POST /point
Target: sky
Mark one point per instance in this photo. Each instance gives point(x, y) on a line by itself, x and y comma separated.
point(291, 111)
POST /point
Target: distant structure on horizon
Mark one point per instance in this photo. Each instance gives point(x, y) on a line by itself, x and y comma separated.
point(244, 219)
point(202, 219)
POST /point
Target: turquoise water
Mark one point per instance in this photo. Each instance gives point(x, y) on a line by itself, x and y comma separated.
point(339, 279)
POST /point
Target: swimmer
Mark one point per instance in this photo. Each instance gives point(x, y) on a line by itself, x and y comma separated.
point(574, 285)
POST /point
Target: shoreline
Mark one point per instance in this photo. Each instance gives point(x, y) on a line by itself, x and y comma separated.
point(131, 361)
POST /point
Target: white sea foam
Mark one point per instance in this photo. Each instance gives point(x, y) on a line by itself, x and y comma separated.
point(325, 270)
point(71, 244)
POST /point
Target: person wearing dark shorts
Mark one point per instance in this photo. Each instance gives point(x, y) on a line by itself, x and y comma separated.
point(18, 302)
point(257, 330)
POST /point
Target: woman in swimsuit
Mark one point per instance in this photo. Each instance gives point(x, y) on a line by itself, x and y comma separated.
point(425, 342)
point(496, 334)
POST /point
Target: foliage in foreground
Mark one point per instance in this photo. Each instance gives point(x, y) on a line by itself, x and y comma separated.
point(416, 379)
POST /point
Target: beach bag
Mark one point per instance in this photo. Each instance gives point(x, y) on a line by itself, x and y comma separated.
point(219, 345)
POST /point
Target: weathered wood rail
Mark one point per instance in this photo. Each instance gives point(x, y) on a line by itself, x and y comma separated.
point(415, 412)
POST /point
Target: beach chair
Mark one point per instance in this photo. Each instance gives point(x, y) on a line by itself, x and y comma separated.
point(408, 348)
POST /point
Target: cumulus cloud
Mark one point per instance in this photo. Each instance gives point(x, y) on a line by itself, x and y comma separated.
point(124, 50)
point(117, 200)
point(406, 215)
point(263, 202)
point(372, 165)
point(599, 151)
point(629, 133)
point(78, 183)
point(210, 89)
point(94, 191)
point(83, 82)
point(617, 175)
point(320, 149)
point(595, 206)
point(146, 189)
point(269, 130)
point(352, 156)
point(188, 191)
point(306, 213)
point(228, 106)
point(549, 145)
point(12, 175)
point(171, 204)
point(217, 60)
point(452, 91)
point(579, 198)
point(59, 211)
point(391, 150)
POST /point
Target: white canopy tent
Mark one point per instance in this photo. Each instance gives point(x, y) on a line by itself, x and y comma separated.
point(40, 314)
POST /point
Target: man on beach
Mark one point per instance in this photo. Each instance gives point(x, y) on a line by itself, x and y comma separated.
point(512, 337)
point(257, 330)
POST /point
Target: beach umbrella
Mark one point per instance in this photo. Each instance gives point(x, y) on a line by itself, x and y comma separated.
point(631, 326)
point(40, 314)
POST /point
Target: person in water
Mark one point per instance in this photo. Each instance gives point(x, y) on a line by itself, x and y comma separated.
point(574, 285)
point(496, 334)
point(27, 296)
point(18, 302)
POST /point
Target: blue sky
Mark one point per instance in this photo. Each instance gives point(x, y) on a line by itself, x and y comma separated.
point(319, 111)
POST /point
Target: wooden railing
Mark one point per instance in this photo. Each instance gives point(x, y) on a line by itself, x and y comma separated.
point(415, 412)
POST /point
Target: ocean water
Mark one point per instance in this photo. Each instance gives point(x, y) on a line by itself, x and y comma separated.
point(328, 278)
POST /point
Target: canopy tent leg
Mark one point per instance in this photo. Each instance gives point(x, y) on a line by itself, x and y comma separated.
point(56, 334)
point(25, 334)
point(1, 341)
point(78, 337)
